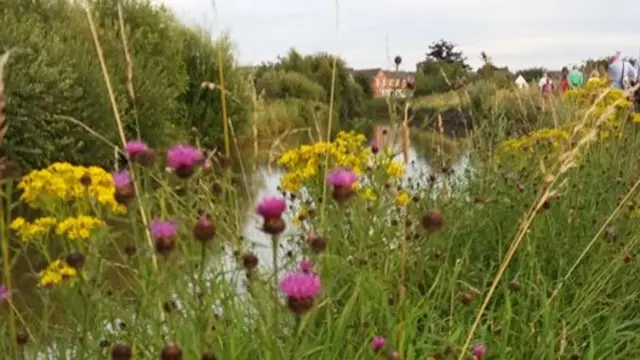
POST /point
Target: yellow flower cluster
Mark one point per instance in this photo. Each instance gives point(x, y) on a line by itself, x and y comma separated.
point(74, 228)
point(402, 198)
point(395, 169)
point(559, 137)
point(304, 162)
point(55, 273)
point(79, 228)
point(553, 138)
point(28, 231)
point(367, 193)
point(593, 90)
point(70, 184)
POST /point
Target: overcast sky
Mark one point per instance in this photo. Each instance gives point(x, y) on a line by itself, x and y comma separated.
point(369, 33)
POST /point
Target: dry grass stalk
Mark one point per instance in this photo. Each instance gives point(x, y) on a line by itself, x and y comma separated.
point(3, 121)
point(258, 105)
point(242, 169)
point(127, 56)
point(119, 125)
point(406, 138)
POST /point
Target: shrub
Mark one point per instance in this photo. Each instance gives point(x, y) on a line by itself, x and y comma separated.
point(55, 74)
point(203, 104)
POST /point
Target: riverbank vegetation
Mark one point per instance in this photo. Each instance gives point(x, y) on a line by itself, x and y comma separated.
point(518, 241)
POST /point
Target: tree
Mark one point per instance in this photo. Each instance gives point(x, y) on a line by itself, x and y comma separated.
point(438, 77)
point(446, 51)
point(55, 75)
point(365, 83)
point(310, 76)
point(443, 69)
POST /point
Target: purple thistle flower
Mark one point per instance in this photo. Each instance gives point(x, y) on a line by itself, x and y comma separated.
point(479, 351)
point(121, 179)
point(271, 207)
point(4, 293)
point(135, 147)
point(183, 159)
point(378, 343)
point(342, 181)
point(163, 229)
point(301, 290)
point(124, 188)
point(305, 265)
point(343, 178)
point(300, 286)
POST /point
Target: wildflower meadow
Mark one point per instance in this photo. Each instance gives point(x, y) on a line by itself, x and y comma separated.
point(526, 251)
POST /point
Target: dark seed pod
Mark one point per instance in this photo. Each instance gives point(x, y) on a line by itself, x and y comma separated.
point(171, 351)
point(121, 352)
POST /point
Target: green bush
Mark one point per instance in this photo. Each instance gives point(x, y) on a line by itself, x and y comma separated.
point(348, 96)
point(281, 84)
point(55, 74)
point(204, 105)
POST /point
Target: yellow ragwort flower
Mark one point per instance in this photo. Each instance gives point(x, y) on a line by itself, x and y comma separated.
point(303, 163)
point(69, 183)
point(395, 169)
point(55, 273)
point(402, 198)
point(367, 193)
point(79, 228)
point(29, 231)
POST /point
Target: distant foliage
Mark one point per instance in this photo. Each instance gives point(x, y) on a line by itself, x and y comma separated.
point(443, 69)
point(532, 74)
point(365, 83)
point(55, 74)
point(500, 75)
point(283, 84)
point(438, 77)
point(305, 77)
point(202, 103)
point(600, 64)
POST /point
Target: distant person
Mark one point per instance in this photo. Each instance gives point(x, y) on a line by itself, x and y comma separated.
point(636, 94)
point(621, 72)
point(575, 77)
point(564, 80)
point(546, 85)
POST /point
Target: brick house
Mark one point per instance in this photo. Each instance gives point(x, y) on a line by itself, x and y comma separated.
point(384, 83)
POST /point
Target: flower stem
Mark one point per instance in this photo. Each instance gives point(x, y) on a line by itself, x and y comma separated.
point(203, 333)
point(276, 309)
point(6, 266)
point(403, 261)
